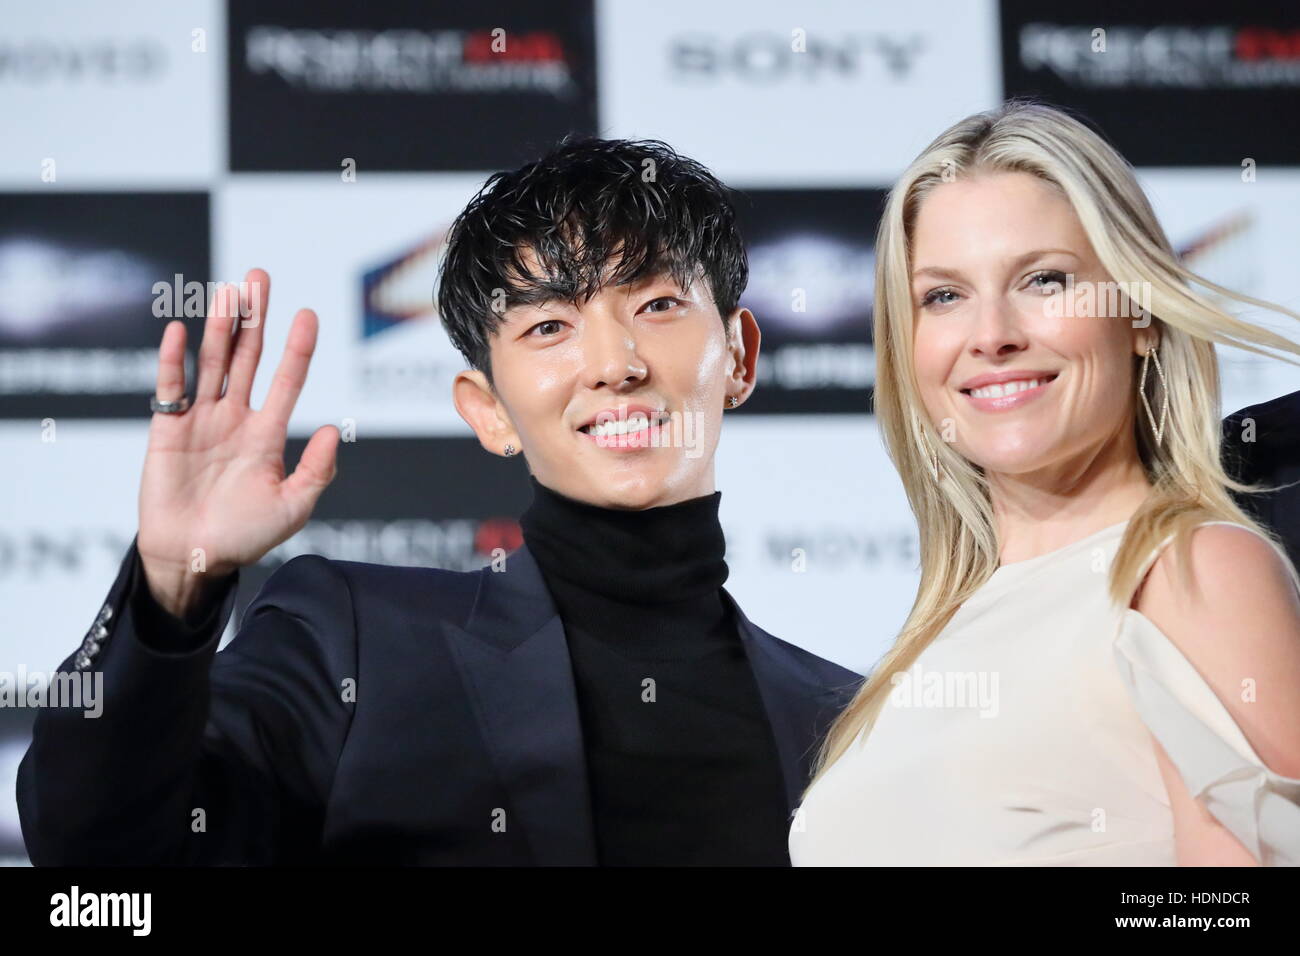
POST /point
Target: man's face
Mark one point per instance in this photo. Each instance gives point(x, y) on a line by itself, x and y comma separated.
point(618, 401)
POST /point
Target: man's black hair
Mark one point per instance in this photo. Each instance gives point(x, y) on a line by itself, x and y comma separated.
point(592, 212)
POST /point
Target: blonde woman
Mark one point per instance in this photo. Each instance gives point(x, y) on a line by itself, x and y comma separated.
point(1102, 665)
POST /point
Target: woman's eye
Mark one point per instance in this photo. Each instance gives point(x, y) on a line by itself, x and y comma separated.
point(668, 301)
point(556, 323)
point(1048, 281)
point(937, 297)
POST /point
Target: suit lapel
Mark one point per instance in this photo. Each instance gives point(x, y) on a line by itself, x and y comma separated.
point(514, 662)
point(799, 706)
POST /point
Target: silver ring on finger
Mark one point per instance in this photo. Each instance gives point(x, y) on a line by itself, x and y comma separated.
point(169, 408)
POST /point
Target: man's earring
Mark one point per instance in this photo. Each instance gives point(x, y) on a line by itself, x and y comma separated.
point(1153, 352)
point(733, 401)
point(509, 450)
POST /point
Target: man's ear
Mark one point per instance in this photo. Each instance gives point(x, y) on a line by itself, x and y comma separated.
point(743, 340)
point(477, 403)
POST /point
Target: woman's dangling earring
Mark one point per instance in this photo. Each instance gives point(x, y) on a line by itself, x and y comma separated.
point(1153, 352)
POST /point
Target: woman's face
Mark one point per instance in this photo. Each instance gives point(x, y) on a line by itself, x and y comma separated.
point(1017, 370)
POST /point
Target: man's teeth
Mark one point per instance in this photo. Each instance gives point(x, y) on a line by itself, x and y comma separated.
point(1007, 388)
point(610, 429)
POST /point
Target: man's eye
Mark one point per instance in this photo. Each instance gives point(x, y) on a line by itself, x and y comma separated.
point(667, 301)
point(547, 324)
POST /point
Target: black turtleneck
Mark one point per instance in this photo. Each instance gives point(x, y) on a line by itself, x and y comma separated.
point(682, 763)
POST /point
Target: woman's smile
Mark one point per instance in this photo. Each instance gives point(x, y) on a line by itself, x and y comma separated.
point(1007, 391)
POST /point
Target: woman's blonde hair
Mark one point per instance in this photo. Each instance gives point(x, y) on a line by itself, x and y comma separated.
point(958, 541)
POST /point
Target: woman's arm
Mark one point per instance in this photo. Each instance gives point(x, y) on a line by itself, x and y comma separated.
point(1234, 613)
point(1199, 839)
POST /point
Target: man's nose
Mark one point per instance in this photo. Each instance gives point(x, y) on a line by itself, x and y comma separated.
point(610, 354)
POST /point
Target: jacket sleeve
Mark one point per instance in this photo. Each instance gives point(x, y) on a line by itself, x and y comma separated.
point(194, 756)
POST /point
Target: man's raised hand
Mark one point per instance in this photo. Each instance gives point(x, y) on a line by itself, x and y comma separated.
point(214, 495)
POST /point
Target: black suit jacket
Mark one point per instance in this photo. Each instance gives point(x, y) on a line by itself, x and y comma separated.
point(1269, 453)
point(362, 714)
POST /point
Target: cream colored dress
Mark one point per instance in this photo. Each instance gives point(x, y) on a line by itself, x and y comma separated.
point(1022, 737)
